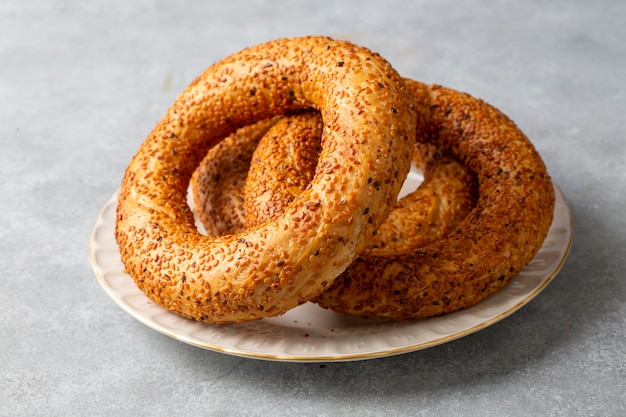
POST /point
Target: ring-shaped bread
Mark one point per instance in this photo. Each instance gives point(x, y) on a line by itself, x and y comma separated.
point(284, 163)
point(369, 123)
point(498, 238)
point(237, 191)
point(217, 185)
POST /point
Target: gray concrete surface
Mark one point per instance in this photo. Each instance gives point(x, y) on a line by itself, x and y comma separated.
point(81, 85)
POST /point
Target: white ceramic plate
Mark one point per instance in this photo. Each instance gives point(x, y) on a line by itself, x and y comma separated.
point(311, 334)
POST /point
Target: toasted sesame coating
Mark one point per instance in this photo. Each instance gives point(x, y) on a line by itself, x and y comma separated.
point(492, 244)
point(369, 123)
point(282, 166)
point(429, 213)
point(284, 163)
point(218, 183)
point(402, 275)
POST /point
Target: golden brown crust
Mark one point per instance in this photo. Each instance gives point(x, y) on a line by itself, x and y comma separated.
point(266, 271)
point(429, 213)
point(284, 163)
point(282, 166)
point(218, 182)
point(492, 244)
point(399, 278)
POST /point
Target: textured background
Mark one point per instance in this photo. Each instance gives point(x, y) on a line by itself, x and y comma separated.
point(81, 85)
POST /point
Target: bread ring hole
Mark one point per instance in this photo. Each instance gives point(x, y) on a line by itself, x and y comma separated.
point(412, 182)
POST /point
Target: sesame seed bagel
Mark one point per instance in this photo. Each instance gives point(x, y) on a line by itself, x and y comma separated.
point(500, 236)
point(399, 277)
point(218, 183)
point(282, 166)
point(369, 124)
